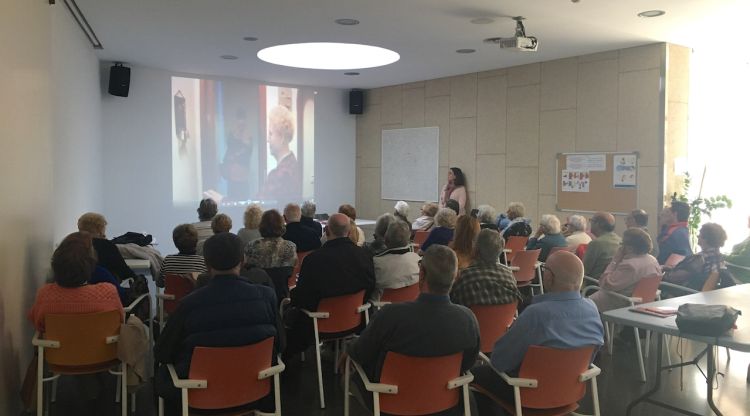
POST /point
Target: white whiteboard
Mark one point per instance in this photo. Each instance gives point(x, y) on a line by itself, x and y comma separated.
point(409, 167)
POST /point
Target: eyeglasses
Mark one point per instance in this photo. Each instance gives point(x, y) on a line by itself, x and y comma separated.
point(544, 268)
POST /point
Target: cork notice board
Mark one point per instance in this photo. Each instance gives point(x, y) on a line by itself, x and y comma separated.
point(586, 182)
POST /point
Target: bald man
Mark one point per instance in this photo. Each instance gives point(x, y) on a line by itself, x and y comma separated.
point(601, 249)
point(561, 318)
point(340, 267)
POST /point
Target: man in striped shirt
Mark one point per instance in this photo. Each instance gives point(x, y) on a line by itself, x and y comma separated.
point(186, 261)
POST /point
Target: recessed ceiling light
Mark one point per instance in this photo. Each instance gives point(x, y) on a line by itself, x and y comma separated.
point(465, 50)
point(328, 55)
point(250, 38)
point(482, 20)
point(652, 13)
point(228, 57)
point(347, 22)
point(351, 73)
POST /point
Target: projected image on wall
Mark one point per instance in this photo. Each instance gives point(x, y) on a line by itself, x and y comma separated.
point(241, 143)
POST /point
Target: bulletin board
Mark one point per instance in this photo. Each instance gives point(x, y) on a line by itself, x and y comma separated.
point(597, 181)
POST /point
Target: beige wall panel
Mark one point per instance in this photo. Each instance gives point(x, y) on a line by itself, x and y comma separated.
point(464, 96)
point(557, 134)
point(373, 97)
point(597, 106)
point(411, 85)
point(678, 73)
point(648, 195)
point(491, 119)
point(437, 87)
point(368, 131)
point(601, 56)
point(413, 107)
point(523, 126)
point(463, 146)
point(368, 192)
point(521, 185)
point(559, 83)
point(492, 73)
point(437, 113)
point(638, 127)
point(546, 205)
point(391, 105)
point(523, 75)
point(641, 57)
point(490, 181)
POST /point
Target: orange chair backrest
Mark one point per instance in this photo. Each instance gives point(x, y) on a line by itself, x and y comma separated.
point(343, 312)
point(420, 237)
point(494, 321)
point(647, 287)
point(422, 383)
point(297, 266)
point(402, 294)
point(515, 243)
point(179, 286)
point(232, 375)
point(673, 260)
point(82, 338)
point(525, 261)
point(557, 372)
point(581, 250)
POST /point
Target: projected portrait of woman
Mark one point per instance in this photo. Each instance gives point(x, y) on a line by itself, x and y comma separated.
point(284, 182)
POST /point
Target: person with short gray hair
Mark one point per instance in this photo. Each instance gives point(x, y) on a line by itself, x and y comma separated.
point(518, 225)
point(303, 237)
point(486, 281)
point(308, 218)
point(398, 266)
point(426, 219)
point(575, 231)
point(486, 215)
point(377, 245)
point(445, 221)
point(547, 236)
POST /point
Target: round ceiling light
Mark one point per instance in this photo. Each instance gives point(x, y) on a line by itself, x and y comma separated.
point(250, 38)
point(328, 55)
point(228, 57)
point(465, 50)
point(652, 13)
point(351, 74)
point(347, 22)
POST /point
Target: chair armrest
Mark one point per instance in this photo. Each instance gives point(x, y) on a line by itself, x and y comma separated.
point(362, 308)
point(623, 297)
point(319, 315)
point(737, 266)
point(164, 296)
point(678, 287)
point(591, 280)
point(268, 372)
point(461, 381)
point(112, 339)
point(283, 305)
point(135, 303)
point(185, 383)
point(514, 268)
point(483, 358)
point(520, 382)
point(590, 373)
point(379, 303)
point(37, 341)
point(585, 291)
point(373, 387)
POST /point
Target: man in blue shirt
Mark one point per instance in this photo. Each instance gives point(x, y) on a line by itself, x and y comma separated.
point(561, 318)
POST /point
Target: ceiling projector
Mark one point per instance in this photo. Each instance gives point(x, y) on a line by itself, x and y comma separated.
point(519, 42)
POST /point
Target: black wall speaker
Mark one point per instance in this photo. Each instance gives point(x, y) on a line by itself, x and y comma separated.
point(356, 101)
point(119, 80)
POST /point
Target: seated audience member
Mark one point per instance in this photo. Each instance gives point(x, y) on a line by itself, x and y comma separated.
point(340, 267)
point(308, 217)
point(73, 264)
point(401, 211)
point(467, 228)
point(575, 231)
point(426, 219)
point(428, 327)
point(251, 221)
point(227, 312)
point(638, 218)
point(601, 249)
point(271, 250)
point(518, 225)
point(221, 223)
point(303, 237)
point(377, 245)
point(710, 239)
point(486, 217)
point(186, 260)
point(548, 235)
point(398, 266)
point(207, 209)
point(442, 233)
point(560, 318)
point(739, 259)
point(630, 264)
point(486, 281)
point(107, 254)
point(454, 205)
point(674, 237)
point(350, 212)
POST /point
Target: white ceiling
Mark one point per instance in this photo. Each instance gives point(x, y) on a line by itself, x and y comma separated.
point(188, 36)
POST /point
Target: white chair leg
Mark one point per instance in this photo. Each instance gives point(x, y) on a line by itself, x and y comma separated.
point(132, 402)
point(647, 347)
point(320, 369)
point(124, 387)
point(467, 403)
point(277, 395)
point(595, 396)
point(375, 404)
point(639, 354)
point(118, 389)
point(185, 411)
point(517, 398)
point(54, 391)
point(40, 382)
point(161, 407)
point(347, 372)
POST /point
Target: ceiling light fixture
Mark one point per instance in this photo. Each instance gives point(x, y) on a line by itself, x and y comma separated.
point(250, 38)
point(465, 50)
point(228, 57)
point(328, 55)
point(351, 73)
point(482, 20)
point(652, 13)
point(347, 22)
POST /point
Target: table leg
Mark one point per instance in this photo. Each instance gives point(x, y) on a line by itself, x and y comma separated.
point(657, 381)
point(711, 370)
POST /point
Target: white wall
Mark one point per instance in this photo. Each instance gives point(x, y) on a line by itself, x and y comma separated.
point(137, 149)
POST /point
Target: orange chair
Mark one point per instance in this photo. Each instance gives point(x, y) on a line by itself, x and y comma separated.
point(494, 321)
point(420, 237)
point(550, 382)
point(526, 267)
point(297, 266)
point(83, 343)
point(176, 287)
point(414, 385)
point(513, 245)
point(402, 294)
point(229, 377)
point(581, 250)
point(336, 315)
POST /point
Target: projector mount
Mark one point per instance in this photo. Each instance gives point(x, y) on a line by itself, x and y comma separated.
point(519, 41)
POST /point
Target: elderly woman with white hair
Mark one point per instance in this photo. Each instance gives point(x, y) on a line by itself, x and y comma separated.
point(547, 236)
point(442, 233)
point(427, 218)
point(486, 215)
point(575, 231)
point(401, 211)
point(518, 225)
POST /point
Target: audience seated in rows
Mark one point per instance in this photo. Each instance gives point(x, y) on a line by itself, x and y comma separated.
point(703, 270)
point(401, 211)
point(251, 222)
point(398, 265)
point(629, 265)
point(107, 254)
point(308, 217)
point(186, 261)
point(428, 327)
point(517, 224)
point(738, 261)
point(442, 233)
point(560, 318)
point(377, 245)
point(467, 228)
point(207, 209)
point(303, 237)
point(602, 248)
point(486, 281)
point(271, 250)
point(220, 223)
point(227, 312)
point(426, 219)
point(548, 235)
point(486, 215)
point(357, 232)
point(674, 237)
point(340, 267)
point(575, 231)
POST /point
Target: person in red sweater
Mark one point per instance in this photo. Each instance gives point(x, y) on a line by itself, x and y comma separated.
point(73, 263)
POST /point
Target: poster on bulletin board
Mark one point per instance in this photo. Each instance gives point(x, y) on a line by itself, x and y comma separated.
point(597, 181)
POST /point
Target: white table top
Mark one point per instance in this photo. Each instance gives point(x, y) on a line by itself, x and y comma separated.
point(737, 297)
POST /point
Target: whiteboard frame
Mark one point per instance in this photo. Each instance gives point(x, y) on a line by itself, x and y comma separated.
point(433, 170)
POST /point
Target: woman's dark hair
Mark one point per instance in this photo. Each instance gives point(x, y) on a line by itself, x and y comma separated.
point(638, 240)
point(185, 238)
point(458, 177)
point(348, 210)
point(74, 260)
point(271, 224)
point(713, 234)
point(207, 209)
point(453, 204)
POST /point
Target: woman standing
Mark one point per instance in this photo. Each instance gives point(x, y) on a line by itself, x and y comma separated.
point(455, 189)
